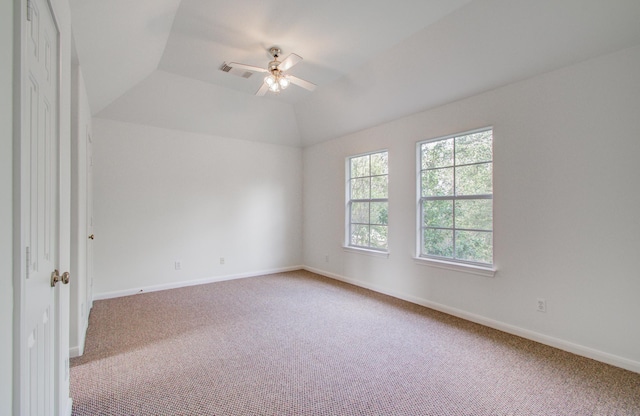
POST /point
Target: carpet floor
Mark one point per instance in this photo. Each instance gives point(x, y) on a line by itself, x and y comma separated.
point(300, 344)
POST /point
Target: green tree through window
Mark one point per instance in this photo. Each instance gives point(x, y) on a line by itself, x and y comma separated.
point(456, 197)
point(368, 201)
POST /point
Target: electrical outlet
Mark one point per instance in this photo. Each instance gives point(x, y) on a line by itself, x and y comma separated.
point(221, 260)
point(177, 265)
point(542, 305)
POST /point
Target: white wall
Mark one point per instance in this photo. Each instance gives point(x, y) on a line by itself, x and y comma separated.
point(6, 210)
point(80, 129)
point(165, 195)
point(566, 177)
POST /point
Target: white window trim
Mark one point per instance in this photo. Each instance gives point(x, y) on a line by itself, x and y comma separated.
point(366, 251)
point(458, 267)
point(449, 264)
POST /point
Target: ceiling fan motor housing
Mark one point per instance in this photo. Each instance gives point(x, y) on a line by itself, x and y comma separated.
point(273, 66)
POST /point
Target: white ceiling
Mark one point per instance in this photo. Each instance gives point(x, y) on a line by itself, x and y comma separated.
point(158, 61)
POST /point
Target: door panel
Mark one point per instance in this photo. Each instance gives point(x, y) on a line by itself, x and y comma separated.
point(41, 180)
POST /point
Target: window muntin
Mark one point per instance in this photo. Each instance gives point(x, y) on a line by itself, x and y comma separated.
point(456, 197)
point(368, 204)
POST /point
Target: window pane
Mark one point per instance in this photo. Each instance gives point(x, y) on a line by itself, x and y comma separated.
point(379, 164)
point(360, 212)
point(438, 242)
point(474, 246)
point(379, 213)
point(474, 148)
point(474, 213)
point(456, 186)
point(437, 182)
point(379, 187)
point(437, 154)
point(378, 236)
point(360, 235)
point(474, 179)
point(368, 180)
point(360, 188)
point(360, 166)
point(438, 214)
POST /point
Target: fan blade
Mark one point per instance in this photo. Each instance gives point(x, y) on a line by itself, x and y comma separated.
point(246, 67)
point(302, 83)
point(289, 62)
point(263, 90)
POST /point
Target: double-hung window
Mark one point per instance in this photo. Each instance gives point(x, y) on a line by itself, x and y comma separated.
point(456, 198)
point(368, 201)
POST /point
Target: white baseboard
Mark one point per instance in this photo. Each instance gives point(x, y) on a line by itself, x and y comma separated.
point(175, 285)
point(69, 406)
point(78, 350)
point(75, 352)
point(571, 347)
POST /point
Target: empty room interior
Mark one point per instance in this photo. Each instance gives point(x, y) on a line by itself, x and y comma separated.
point(307, 200)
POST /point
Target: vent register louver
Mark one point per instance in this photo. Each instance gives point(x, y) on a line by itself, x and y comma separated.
point(235, 71)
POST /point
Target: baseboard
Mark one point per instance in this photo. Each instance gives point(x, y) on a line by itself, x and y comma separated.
point(78, 350)
point(75, 352)
point(69, 406)
point(577, 349)
point(175, 285)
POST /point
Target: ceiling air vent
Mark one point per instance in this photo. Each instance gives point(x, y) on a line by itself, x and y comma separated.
point(235, 71)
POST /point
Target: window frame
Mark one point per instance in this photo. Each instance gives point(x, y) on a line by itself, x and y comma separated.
point(487, 269)
point(349, 201)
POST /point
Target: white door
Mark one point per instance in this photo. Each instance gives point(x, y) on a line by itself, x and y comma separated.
point(40, 192)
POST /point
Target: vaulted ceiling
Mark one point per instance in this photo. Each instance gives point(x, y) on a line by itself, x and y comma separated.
point(158, 62)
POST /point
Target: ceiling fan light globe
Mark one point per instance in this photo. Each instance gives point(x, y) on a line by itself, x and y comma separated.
point(270, 80)
point(275, 87)
point(284, 82)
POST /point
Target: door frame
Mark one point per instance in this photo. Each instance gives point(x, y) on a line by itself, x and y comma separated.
point(81, 267)
point(89, 210)
point(61, 14)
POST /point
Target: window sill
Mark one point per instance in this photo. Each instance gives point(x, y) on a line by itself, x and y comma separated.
point(366, 252)
point(459, 267)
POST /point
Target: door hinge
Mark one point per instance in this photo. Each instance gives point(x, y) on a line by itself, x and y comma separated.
point(28, 260)
point(29, 10)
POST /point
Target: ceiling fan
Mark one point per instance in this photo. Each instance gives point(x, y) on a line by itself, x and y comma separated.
point(278, 79)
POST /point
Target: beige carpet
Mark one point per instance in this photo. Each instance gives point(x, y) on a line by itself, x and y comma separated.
point(299, 344)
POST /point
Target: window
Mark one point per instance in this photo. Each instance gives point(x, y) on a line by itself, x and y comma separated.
point(368, 203)
point(456, 197)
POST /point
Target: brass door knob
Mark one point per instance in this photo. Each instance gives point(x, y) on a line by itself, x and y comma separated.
point(91, 237)
point(55, 278)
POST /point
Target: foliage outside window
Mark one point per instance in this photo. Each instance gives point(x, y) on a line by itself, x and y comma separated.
point(367, 195)
point(456, 197)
